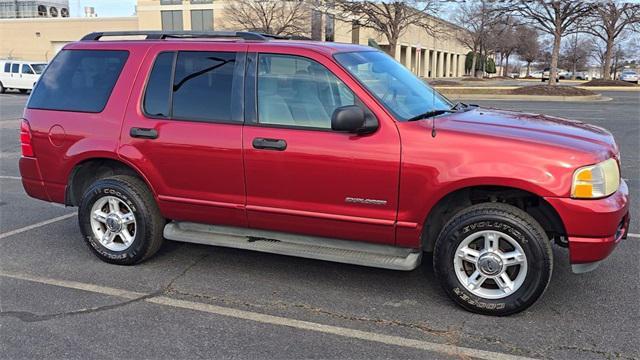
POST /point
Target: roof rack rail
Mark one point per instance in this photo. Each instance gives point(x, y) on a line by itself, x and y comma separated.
point(159, 35)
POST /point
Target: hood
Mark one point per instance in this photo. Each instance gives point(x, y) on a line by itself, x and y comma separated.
point(544, 130)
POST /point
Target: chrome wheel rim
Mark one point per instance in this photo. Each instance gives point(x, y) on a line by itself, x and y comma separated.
point(490, 264)
point(113, 223)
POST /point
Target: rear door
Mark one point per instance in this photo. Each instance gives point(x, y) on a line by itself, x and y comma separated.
point(301, 176)
point(183, 129)
point(14, 74)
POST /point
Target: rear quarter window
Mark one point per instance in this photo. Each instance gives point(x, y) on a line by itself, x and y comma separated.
point(79, 80)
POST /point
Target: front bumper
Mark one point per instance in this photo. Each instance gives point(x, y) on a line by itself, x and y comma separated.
point(593, 227)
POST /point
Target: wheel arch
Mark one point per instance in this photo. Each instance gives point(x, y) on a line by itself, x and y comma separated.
point(88, 170)
point(454, 201)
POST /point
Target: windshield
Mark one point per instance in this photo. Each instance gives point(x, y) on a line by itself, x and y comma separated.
point(397, 88)
point(38, 68)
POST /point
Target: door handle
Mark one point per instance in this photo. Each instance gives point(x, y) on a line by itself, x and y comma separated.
point(269, 144)
point(144, 133)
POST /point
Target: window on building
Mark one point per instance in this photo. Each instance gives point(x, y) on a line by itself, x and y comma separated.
point(42, 11)
point(330, 28)
point(79, 80)
point(201, 1)
point(53, 11)
point(170, 2)
point(203, 85)
point(296, 91)
point(171, 20)
point(201, 20)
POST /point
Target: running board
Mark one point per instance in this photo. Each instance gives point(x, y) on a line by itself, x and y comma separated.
point(342, 251)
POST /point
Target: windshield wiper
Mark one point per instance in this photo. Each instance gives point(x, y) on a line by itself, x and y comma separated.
point(459, 105)
point(430, 114)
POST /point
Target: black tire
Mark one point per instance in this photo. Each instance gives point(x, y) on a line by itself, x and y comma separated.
point(521, 227)
point(23, 91)
point(2, 88)
point(147, 239)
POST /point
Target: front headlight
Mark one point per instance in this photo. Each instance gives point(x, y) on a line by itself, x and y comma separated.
point(596, 181)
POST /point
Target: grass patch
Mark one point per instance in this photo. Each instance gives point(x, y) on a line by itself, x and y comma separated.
point(472, 79)
point(599, 82)
point(556, 90)
point(443, 83)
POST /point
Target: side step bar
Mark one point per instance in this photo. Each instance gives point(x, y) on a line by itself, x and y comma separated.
point(342, 251)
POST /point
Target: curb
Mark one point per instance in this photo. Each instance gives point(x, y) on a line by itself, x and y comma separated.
point(592, 88)
point(610, 88)
point(588, 98)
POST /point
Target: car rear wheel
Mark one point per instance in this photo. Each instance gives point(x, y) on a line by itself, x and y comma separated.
point(493, 259)
point(2, 88)
point(120, 220)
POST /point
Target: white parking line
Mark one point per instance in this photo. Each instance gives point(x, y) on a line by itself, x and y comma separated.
point(10, 177)
point(632, 235)
point(36, 225)
point(272, 320)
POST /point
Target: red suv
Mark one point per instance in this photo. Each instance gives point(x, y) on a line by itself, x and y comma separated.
point(319, 150)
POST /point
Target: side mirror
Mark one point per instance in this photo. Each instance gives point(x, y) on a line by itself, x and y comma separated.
point(350, 118)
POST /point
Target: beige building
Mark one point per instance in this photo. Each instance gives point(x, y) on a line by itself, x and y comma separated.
point(41, 38)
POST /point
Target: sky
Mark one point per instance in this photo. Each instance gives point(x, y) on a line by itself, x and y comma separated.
point(104, 8)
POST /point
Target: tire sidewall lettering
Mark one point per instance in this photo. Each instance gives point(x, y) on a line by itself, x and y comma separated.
point(95, 243)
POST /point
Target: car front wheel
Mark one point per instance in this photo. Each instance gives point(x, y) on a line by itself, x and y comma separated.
point(493, 259)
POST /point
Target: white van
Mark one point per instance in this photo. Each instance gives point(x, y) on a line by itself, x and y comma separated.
point(19, 75)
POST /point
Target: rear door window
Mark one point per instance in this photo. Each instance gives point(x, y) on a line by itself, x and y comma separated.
point(158, 93)
point(200, 89)
point(7, 67)
point(202, 86)
point(79, 80)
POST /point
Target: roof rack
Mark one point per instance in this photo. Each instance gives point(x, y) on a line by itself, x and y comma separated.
point(159, 35)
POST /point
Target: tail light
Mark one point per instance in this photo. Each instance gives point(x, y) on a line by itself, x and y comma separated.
point(25, 139)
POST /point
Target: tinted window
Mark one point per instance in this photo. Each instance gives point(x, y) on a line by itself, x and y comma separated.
point(78, 80)
point(38, 68)
point(7, 67)
point(26, 69)
point(298, 92)
point(203, 85)
point(15, 68)
point(157, 94)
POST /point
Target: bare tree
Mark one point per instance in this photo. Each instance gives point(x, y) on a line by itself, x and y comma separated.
point(555, 17)
point(575, 54)
point(609, 21)
point(505, 41)
point(390, 18)
point(528, 46)
point(269, 16)
point(477, 18)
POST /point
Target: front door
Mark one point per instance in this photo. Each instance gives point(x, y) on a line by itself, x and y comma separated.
point(28, 77)
point(301, 176)
point(183, 128)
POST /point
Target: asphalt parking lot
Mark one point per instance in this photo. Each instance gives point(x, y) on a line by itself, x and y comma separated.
point(57, 300)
